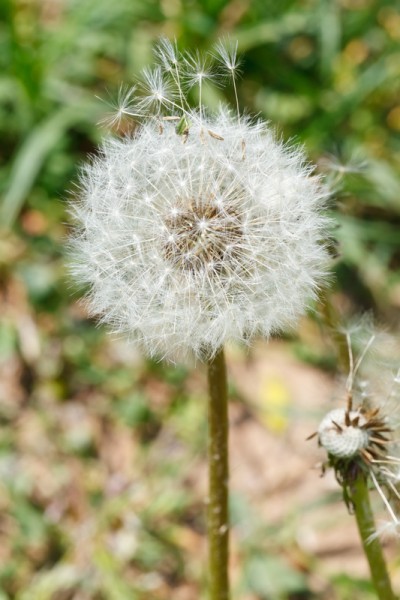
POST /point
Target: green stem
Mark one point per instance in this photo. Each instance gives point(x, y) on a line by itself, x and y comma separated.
point(217, 517)
point(372, 548)
point(332, 322)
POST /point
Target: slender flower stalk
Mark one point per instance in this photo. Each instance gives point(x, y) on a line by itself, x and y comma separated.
point(218, 518)
point(359, 497)
point(195, 230)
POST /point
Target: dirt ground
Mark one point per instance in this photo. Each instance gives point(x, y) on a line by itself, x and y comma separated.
point(274, 465)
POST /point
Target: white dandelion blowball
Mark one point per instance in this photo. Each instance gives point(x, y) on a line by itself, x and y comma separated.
point(197, 229)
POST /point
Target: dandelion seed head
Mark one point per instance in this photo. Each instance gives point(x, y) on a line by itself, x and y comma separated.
point(198, 229)
point(363, 436)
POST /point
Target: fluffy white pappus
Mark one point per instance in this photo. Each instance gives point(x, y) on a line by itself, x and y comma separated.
point(196, 230)
point(190, 242)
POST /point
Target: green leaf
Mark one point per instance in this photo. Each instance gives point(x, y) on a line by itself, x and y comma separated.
point(112, 583)
point(272, 31)
point(271, 577)
point(329, 34)
point(51, 584)
point(32, 155)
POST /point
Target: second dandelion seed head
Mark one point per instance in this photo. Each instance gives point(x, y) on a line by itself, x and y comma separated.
point(361, 439)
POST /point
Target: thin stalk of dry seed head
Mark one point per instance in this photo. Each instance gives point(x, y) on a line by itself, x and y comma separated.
point(332, 320)
point(217, 517)
point(371, 545)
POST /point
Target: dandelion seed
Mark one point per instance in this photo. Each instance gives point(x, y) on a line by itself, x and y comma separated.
point(337, 168)
point(167, 54)
point(125, 105)
point(157, 92)
point(197, 69)
point(227, 53)
point(341, 167)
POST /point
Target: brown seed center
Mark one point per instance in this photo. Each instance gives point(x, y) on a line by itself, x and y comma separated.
point(202, 235)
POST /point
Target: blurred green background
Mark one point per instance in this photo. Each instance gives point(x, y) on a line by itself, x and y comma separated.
point(98, 447)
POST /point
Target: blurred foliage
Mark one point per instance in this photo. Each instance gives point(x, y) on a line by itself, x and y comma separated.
point(89, 511)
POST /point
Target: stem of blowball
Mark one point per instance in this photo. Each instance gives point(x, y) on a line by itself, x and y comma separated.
point(217, 514)
point(372, 548)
